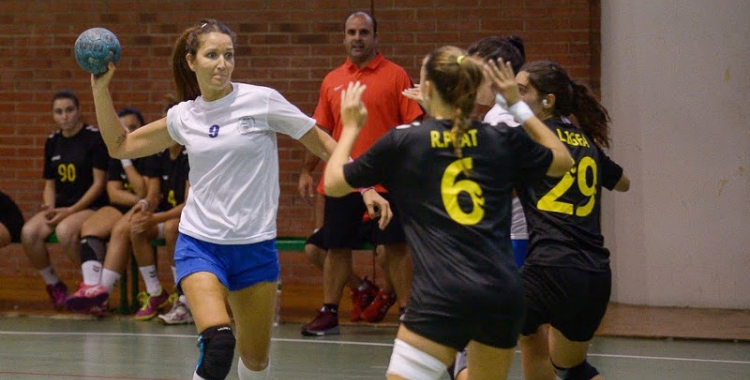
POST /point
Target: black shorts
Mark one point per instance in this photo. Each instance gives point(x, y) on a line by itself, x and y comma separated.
point(364, 236)
point(11, 217)
point(497, 324)
point(572, 300)
point(342, 224)
point(317, 239)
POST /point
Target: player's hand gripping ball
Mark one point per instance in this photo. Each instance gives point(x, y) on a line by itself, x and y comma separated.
point(95, 49)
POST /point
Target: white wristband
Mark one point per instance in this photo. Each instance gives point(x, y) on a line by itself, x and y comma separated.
point(126, 162)
point(145, 202)
point(521, 111)
point(500, 101)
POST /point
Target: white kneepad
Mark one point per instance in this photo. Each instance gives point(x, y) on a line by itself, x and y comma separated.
point(413, 364)
point(246, 374)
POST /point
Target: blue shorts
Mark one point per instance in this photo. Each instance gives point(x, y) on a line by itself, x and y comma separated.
point(236, 266)
point(520, 249)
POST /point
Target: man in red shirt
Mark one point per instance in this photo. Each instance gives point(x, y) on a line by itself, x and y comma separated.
point(387, 108)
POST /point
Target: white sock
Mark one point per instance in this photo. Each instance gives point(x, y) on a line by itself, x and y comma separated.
point(246, 374)
point(109, 279)
point(182, 298)
point(196, 377)
point(92, 272)
point(153, 286)
point(49, 276)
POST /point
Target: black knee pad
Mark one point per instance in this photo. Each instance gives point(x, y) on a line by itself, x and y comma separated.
point(583, 371)
point(92, 249)
point(217, 352)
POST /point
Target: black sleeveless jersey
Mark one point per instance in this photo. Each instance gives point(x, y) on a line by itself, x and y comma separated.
point(457, 225)
point(563, 214)
point(71, 161)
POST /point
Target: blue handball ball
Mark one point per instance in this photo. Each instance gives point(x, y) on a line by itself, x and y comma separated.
point(95, 48)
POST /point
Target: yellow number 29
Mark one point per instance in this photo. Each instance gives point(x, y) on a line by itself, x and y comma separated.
point(577, 175)
point(450, 189)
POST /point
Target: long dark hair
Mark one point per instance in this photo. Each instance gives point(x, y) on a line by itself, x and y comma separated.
point(571, 98)
point(185, 81)
point(510, 49)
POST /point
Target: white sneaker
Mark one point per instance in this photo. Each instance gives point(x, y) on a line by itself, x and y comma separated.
point(179, 315)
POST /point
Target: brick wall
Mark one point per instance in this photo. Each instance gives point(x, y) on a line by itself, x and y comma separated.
point(285, 44)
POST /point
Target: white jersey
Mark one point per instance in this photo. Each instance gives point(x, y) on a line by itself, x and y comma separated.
point(518, 229)
point(234, 162)
point(498, 114)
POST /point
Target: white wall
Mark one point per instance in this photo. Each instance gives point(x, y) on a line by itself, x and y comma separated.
point(676, 80)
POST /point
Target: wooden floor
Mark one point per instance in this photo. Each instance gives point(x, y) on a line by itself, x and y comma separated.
point(37, 348)
point(300, 303)
point(39, 343)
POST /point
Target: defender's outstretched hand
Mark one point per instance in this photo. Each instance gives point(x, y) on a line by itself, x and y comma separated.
point(353, 110)
point(503, 80)
point(415, 94)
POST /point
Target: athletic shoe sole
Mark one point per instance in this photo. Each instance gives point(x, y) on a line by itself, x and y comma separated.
point(84, 304)
point(331, 331)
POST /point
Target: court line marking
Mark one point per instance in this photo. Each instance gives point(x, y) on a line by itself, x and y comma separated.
point(666, 358)
point(351, 343)
point(76, 376)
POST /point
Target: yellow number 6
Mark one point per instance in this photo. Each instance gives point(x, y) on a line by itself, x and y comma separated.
point(450, 189)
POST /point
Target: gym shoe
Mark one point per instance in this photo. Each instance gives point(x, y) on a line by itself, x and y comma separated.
point(150, 305)
point(362, 298)
point(379, 308)
point(99, 309)
point(179, 315)
point(87, 296)
point(325, 323)
point(58, 293)
point(173, 297)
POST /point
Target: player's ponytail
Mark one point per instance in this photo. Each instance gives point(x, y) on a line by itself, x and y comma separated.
point(592, 116)
point(185, 81)
point(518, 43)
point(457, 78)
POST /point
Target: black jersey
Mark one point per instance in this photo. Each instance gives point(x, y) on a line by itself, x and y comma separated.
point(563, 214)
point(70, 162)
point(115, 171)
point(11, 217)
point(457, 226)
point(173, 178)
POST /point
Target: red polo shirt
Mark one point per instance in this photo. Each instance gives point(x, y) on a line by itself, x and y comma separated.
point(386, 106)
